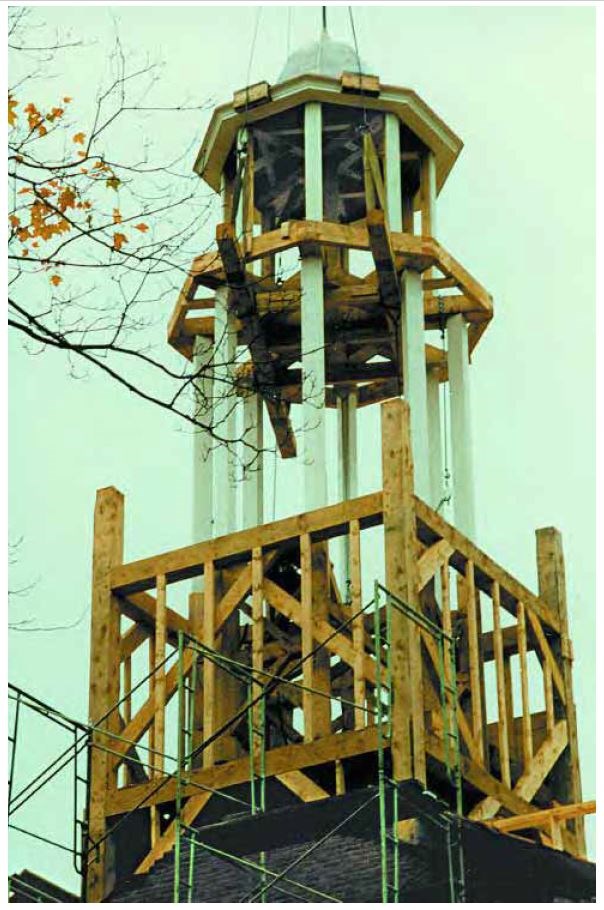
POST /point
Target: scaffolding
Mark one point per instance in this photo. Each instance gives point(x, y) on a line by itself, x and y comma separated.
point(259, 684)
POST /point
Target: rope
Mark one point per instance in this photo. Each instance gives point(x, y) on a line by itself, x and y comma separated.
point(359, 70)
point(253, 47)
point(445, 420)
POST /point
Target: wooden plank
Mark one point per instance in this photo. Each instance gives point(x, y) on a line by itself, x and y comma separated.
point(502, 711)
point(278, 761)
point(209, 667)
point(196, 625)
point(527, 732)
point(541, 817)
point(186, 562)
point(108, 548)
point(550, 662)
point(313, 615)
point(302, 786)
point(357, 625)
point(474, 659)
point(511, 590)
point(141, 608)
point(359, 82)
point(337, 643)
point(552, 589)
point(408, 749)
point(431, 561)
point(257, 652)
point(164, 844)
point(548, 697)
point(160, 677)
point(131, 640)
point(127, 703)
point(238, 590)
point(531, 778)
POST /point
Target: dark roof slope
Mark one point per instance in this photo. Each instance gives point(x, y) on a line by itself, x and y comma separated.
point(335, 844)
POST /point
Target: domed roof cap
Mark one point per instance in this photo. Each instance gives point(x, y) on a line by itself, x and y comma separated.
point(324, 57)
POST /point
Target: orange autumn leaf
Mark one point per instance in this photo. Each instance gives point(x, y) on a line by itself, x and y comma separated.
point(12, 104)
point(142, 227)
point(118, 241)
point(117, 216)
point(14, 220)
point(113, 182)
point(67, 100)
point(26, 189)
point(66, 199)
point(56, 280)
point(55, 114)
point(82, 154)
point(23, 234)
point(79, 138)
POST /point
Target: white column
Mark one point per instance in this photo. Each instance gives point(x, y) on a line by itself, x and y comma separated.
point(313, 332)
point(434, 437)
point(202, 443)
point(253, 461)
point(461, 427)
point(428, 193)
point(224, 481)
point(394, 203)
point(414, 377)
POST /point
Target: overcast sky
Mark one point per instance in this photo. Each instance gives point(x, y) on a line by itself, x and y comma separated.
point(517, 85)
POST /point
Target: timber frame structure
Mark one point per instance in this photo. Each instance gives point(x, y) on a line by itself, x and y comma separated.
point(524, 761)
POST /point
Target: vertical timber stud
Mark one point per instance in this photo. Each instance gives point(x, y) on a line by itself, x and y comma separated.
point(358, 626)
point(316, 673)
point(225, 347)
point(461, 428)
point(552, 588)
point(160, 677)
point(196, 628)
point(104, 676)
point(408, 749)
point(209, 667)
point(257, 654)
point(313, 328)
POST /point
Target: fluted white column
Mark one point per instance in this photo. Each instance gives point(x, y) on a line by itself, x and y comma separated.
point(313, 330)
point(461, 425)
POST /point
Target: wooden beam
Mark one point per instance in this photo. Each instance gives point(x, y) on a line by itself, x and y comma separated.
point(487, 570)
point(357, 625)
point(160, 678)
point(531, 778)
point(432, 560)
point(502, 711)
point(527, 732)
point(552, 589)
point(209, 667)
point(542, 817)
point(470, 609)
point(278, 761)
point(187, 562)
point(302, 786)
point(408, 749)
point(244, 304)
point(164, 844)
point(108, 548)
point(258, 711)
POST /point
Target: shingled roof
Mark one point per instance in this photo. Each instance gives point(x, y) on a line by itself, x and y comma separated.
point(345, 864)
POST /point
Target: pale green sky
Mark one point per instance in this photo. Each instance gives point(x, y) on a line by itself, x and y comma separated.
point(517, 84)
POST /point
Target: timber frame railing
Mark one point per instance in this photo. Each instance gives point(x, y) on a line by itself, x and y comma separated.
point(302, 631)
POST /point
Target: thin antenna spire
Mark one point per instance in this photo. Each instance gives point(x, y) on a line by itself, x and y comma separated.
point(324, 16)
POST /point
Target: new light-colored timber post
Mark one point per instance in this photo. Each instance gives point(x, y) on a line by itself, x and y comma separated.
point(434, 437)
point(347, 472)
point(461, 425)
point(428, 194)
point(552, 588)
point(225, 400)
point(408, 741)
point(253, 461)
point(202, 443)
point(313, 329)
point(104, 692)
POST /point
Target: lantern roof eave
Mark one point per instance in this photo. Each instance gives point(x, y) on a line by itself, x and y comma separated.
point(412, 110)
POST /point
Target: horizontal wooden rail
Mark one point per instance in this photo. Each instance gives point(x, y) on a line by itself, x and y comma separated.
point(187, 562)
point(543, 817)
